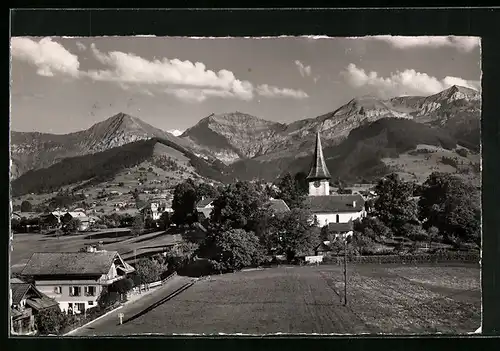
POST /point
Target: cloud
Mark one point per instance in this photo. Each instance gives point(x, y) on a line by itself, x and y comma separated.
point(47, 56)
point(175, 132)
point(465, 44)
point(271, 91)
point(81, 46)
point(185, 77)
point(304, 70)
point(407, 82)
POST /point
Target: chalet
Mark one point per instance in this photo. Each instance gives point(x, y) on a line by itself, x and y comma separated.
point(85, 221)
point(330, 208)
point(25, 302)
point(75, 279)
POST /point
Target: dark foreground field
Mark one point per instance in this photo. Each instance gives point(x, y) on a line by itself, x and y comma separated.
point(381, 299)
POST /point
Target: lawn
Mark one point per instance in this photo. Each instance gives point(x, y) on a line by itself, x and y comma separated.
point(381, 299)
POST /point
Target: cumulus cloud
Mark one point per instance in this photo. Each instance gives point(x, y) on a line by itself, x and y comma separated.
point(81, 46)
point(271, 91)
point(461, 43)
point(303, 69)
point(407, 82)
point(47, 56)
point(183, 78)
point(175, 132)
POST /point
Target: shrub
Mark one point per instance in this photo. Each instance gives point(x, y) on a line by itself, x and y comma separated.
point(51, 321)
point(462, 152)
point(108, 298)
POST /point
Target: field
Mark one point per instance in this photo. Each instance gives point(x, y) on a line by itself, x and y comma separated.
point(417, 167)
point(381, 299)
point(120, 239)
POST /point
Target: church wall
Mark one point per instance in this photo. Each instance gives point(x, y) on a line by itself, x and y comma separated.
point(344, 217)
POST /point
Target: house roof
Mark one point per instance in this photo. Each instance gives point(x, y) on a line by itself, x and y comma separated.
point(204, 202)
point(19, 290)
point(26, 214)
point(41, 303)
point(340, 227)
point(335, 203)
point(318, 167)
point(16, 281)
point(278, 205)
point(69, 263)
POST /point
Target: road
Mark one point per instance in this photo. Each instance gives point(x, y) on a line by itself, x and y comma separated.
point(109, 325)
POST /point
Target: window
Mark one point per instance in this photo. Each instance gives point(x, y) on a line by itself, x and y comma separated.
point(90, 291)
point(338, 218)
point(91, 303)
point(58, 290)
point(75, 291)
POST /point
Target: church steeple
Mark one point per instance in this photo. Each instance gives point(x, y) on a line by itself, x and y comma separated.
point(318, 171)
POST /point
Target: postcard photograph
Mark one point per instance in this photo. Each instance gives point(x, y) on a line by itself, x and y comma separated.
point(218, 186)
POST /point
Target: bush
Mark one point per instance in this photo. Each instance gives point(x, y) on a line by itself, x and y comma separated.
point(51, 321)
point(108, 299)
point(462, 152)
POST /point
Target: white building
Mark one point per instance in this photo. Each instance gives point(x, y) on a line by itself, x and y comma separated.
point(330, 208)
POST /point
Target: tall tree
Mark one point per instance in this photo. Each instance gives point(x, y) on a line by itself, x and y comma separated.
point(205, 190)
point(26, 206)
point(301, 182)
point(149, 270)
point(452, 205)
point(394, 204)
point(184, 203)
point(234, 249)
point(291, 191)
point(241, 205)
point(138, 225)
point(296, 233)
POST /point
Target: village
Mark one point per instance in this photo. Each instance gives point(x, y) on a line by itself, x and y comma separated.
point(166, 245)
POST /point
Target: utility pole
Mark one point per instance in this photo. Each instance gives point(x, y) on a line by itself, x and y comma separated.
point(345, 271)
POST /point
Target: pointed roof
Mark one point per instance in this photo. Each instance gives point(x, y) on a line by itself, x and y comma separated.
point(318, 168)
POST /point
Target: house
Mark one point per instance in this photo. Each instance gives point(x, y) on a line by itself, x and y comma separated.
point(325, 207)
point(155, 208)
point(85, 221)
point(25, 302)
point(204, 207)
point(75, 279)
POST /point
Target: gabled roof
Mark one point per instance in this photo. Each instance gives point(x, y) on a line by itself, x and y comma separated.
point(335, 203)
point(318, 168)
point(41, 303)
point(77, 214)
point(204, 202)
point(19, 291)
point(16, 281)
point(278, 205)
point(69, 263)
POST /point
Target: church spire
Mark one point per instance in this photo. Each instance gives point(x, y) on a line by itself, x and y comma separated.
point(318, 170)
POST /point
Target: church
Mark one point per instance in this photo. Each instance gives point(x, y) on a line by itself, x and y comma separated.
point(336, 211)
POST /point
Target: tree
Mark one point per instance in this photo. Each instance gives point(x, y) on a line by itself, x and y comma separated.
point(433, 234)
point(452, 205)
point(138, 225)
point(301, 182)
point(414, 232)
point(205, 190)
point(241, 205)
point(394, 204)
point(291, 190)
point(232, 250)
point(184, 203)
point(164, 221)
point(149, 270)
point(72, 226)
point(51, 321)
point(26, 206)
point(372, 227)
point(297, 234)
point(180, 256)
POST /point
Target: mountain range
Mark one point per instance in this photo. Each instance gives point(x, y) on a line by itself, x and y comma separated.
point(240, 146)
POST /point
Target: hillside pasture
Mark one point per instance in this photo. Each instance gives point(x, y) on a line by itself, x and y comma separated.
point(381, 299)
point(417, 165)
